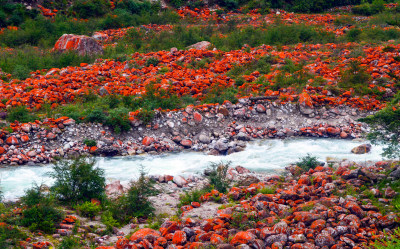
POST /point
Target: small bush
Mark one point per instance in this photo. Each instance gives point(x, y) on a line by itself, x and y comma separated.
point(20, 114)
point(41, 217)
point(89, 142)
point(118, 120)
point(308, 162)
point(217, 176)
point(267, 190)
point(89, 8)
point(192, 196)
point(152, 61)
point(145, 116)
point(135, 202)
point(35, 196)
point(108, 220)
point(78, 180)
point(356, 78)
point(89, 209)
point(69, 243)
point(96, 116)
point(10, 236)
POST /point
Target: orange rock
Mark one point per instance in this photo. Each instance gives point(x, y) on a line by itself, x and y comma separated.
point(179, 238)
point(147, 141)
point(243, 238)
point(12, 141)
point(143, 233)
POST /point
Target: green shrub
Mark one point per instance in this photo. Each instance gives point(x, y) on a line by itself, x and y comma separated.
point(89, 8)
point(118, 120)
point(389, 242)
point(135, 202)
point(192, 196)
point(35, 196)
point(78, 180)
point(108, 220)
point(89, 209)
point(10, 236)
point(356, 78)
point(89, 142)
point(145, 116)
point(308, 162)
point(267, 190)
point(385, 128)
point(151, 61)
point(20, 114)
point(96, 116)
point(217, 176)
point(219, 95)
point(41, 217)
point(69, 242)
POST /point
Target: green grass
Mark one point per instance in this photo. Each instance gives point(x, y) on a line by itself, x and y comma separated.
point(389, 242)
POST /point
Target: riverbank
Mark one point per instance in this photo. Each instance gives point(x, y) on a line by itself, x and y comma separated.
point(214, 129)
point(339, 205)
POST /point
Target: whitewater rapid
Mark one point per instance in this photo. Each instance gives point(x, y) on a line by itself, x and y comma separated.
point(260, 156)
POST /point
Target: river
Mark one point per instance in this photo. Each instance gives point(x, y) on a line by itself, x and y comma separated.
point(260, 156)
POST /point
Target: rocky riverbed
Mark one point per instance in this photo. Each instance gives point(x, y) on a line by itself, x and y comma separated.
point(335, 205)
point(214, 129)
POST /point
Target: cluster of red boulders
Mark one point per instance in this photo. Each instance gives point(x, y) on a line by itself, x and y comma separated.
point(311, 210)
point(26, 142)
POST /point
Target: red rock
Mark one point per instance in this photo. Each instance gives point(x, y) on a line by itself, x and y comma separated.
point(69, 122)
point(26, 127)
point(243, 238)
point(333, 131)
point(144, 233)
point(12, 141)
point(31, 153)
point(147, 141)
point(187, 143)
point(24, 138)
point(324, 240)
point(2, 150)
point(197, 117)
point(318, 225)
point(51, 136)
point(305, 217)
point(343, 134)
point(179, 238)
point(216, 239)
point(195, 204)
point(260, 108)
point(80, 43)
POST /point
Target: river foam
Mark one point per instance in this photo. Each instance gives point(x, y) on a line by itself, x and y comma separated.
point(260, 155)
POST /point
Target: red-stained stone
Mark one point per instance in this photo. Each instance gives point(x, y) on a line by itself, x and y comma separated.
point(243, 238)
point(179, 238)
point(12, 141)
point(144, 233)
point(147, 141)
point(197, 117)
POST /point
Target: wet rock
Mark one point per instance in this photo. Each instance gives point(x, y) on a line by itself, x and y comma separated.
point(179, 181)
point(108, 151)
point(204, 139)
point(361, 149)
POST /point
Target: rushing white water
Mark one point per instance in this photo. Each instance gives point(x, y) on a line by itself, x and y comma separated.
point(266, 155)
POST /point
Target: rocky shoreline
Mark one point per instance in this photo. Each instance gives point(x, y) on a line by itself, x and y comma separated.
point(213, 129)
point(335, 205)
